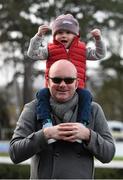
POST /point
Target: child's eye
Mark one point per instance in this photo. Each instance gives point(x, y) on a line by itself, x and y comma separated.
point(68, 32)
point(59, 32)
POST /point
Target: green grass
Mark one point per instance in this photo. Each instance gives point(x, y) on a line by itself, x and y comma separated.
point(4, 154)
point(118, 158)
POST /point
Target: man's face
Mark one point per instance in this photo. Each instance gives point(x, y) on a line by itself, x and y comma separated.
point(65, 37)
point(59, 89)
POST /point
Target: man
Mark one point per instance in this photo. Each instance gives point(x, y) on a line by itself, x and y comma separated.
point(65, 158)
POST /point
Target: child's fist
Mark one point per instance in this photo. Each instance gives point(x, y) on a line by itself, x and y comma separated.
point(96, 33)
point(42, 30)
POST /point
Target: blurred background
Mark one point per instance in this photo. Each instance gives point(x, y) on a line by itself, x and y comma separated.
point(21, 77)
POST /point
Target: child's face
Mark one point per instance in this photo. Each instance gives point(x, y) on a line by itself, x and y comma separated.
point(65, 37)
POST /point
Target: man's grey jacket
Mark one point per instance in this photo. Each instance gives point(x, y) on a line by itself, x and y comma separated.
point(61, 160)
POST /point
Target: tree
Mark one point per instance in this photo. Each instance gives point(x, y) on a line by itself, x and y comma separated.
point(16, 31)
point(110, 94)
point(4, 113)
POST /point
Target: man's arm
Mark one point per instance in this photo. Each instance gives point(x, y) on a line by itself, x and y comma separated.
point(101, 143)
point(26, 142)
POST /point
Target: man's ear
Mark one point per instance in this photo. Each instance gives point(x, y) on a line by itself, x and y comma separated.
point(77, 83)
point(47, 82)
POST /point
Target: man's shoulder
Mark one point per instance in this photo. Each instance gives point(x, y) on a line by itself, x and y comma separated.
point(95, 105)
point(31, 104)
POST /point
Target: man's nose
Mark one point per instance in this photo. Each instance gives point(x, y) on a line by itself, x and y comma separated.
point(62, 83)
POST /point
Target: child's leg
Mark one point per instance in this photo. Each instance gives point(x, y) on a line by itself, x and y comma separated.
point(43, 109)
point(43, 106)
point(85, 99)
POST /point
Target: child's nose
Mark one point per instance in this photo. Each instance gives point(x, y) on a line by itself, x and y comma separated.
point(64, 34)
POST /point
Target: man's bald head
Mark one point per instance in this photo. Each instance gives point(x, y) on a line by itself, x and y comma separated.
point(63, 68)
point(64, 71)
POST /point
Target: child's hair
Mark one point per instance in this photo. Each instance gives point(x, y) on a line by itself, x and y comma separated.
point(65, 22)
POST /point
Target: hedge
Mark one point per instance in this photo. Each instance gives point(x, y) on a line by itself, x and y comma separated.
point(8, 171)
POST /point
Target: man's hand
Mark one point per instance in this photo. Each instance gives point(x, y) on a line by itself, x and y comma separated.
point(68, 132)
point(52, 132)
point(96, 33)
point(42, 30)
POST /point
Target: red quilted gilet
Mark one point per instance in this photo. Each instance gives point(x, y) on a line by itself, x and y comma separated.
point(76, 54)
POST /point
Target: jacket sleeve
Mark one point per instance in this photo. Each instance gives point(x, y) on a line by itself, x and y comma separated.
point(97, 53)
point(36, 50)
point(101, 143)
point(26, 141)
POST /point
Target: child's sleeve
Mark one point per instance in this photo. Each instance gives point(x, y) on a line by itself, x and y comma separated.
point(97, 53)
point(36, 50)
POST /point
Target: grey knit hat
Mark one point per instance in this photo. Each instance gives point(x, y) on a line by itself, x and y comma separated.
point(65, 22)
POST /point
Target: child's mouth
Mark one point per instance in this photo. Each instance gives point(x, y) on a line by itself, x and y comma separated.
point(63, 41)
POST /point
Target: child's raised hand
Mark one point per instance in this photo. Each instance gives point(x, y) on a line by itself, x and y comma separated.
point(96, 33)
point(42, 30)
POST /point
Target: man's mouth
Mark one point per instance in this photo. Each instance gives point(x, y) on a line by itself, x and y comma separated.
point(62, 91)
